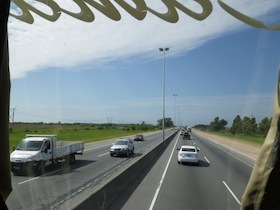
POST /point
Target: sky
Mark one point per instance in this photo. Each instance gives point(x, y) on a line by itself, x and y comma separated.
point(108, 71)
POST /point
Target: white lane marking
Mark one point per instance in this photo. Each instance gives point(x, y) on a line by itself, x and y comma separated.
point(97, 147)
point(103, 154)
point(163, 176)
point(233, 195)
point(29, 180)
point(215, 144)
point(37, 177)
point(206, 159)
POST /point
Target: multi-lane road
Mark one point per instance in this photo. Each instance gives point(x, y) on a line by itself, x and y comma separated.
point(61, 183)
point(217, 182)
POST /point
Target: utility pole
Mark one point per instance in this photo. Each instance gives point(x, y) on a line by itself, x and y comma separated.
point(175, 112)
point(13, 114)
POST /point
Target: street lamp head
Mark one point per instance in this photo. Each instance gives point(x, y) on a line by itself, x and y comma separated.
point(164, 49)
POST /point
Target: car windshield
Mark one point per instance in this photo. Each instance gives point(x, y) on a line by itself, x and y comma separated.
point(27, 145)
point(95, 75)
point(121, 143)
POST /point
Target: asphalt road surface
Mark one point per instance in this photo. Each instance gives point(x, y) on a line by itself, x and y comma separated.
point(217, 183)
point(61, 183)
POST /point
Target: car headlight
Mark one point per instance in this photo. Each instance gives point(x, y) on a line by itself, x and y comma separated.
point(29, 159)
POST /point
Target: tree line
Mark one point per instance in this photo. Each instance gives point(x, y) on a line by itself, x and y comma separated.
point(246, 126)
point(168, 123)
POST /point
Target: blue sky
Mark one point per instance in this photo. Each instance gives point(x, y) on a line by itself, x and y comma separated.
point(71, 71)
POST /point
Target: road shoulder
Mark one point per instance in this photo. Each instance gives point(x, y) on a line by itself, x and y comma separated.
point(247, 148)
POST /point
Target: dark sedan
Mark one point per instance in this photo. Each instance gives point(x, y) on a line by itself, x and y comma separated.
point(139, 137)
point(187, 136)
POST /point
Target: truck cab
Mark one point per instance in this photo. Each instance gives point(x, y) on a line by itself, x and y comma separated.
point(32, 154)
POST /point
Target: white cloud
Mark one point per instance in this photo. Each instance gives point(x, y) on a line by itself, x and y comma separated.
point(69, 43)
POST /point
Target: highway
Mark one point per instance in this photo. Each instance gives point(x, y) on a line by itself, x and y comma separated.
point(61, 183)
point(217, 183)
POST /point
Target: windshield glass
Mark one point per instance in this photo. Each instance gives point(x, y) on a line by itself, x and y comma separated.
point(27, 145)
point(188, 150)
point(96, 73)
point(120, 143)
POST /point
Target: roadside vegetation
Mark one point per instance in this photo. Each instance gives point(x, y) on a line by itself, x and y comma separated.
point(76, 131)
point(246, 128)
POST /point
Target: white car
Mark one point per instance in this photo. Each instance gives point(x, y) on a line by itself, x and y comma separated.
point(122, 146)
point(188, 154)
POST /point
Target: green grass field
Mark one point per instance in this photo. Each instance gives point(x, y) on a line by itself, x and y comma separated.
point(257, 139)
point(73, 132)
point(92, 133)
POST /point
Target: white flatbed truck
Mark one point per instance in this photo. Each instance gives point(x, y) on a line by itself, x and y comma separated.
point(35, 152)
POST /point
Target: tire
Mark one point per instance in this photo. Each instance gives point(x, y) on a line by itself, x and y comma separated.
point(72, 158)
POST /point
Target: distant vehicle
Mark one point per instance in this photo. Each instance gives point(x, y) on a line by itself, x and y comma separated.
point(139, 137)
point(122, 147)
point(188, 154)
point(187, 136)
point(189, 129)
point(182, 132)
point(35, 152)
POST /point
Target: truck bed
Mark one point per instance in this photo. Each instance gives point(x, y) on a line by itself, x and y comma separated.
point(64, 148)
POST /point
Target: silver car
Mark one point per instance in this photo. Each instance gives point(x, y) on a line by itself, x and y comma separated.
point(122, 147)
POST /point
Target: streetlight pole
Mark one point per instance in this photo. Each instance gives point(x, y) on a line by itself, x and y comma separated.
point(175, 123)
point(178, 114)
point(163, 91)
